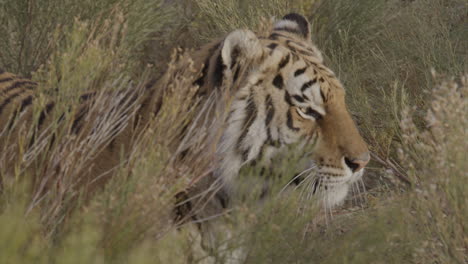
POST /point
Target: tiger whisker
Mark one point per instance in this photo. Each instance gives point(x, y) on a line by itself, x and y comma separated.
point(364, 191)
point(355, 190)
point(301, 195)
point(314, 183)
point(296, 177)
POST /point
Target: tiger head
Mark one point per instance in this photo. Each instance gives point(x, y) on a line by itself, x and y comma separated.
point(287, 97)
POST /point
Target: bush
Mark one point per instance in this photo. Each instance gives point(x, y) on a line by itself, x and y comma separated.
point(38, 29)
point(381, 50)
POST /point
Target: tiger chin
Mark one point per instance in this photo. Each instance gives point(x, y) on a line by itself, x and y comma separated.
point(287, 97)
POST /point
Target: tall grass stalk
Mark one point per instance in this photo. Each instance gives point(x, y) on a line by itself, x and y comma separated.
point(381, 50)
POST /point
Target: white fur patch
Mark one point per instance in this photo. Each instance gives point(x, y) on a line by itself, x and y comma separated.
point(286, 24)
point(335, 195)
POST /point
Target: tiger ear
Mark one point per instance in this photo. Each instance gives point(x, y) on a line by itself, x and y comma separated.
point(294, 23)
point(240, 44)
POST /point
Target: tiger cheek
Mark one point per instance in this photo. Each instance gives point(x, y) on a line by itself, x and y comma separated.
point(306, 126)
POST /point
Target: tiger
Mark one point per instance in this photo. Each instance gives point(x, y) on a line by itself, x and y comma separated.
point(282, 95)
point(288, 97)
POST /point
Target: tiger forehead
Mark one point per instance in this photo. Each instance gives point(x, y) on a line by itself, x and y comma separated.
point(297, 46)
point(296, 73)
point(283, 56)
point(296, 51)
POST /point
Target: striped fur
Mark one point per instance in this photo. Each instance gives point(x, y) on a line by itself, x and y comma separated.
point(282, 95)
point(287, 97)
point(27, 127)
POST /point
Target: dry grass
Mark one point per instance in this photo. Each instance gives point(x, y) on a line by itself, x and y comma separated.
point(382, 50)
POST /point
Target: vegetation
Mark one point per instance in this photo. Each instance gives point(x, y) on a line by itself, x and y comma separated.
point(386, 53)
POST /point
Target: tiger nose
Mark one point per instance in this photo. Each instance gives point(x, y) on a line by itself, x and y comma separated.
point(356, 164)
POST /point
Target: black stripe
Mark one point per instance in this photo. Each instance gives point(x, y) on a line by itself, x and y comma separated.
point(6, 79)
point(236, 74)
point(293, 49)
point(261, 152)
point(287, 98)
point(9, 99)
point(76, 126)
point(278, 81)
point(218, 71)
point(315, 186)
point(250, 116)
point(274, 36)
point(308, 84)
point(269, 138)
point(311, 112)
point(323, 96)
point(300, 71)
point(321, 79)
point(44, 112)
point(284, 61)
point(298, 98)
point(289, 121)
point(85, 97)
point(25, 102)
point(17, 84)
point(270, 110)
point(245, 154)
point(272, 46)
point(206, 65)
